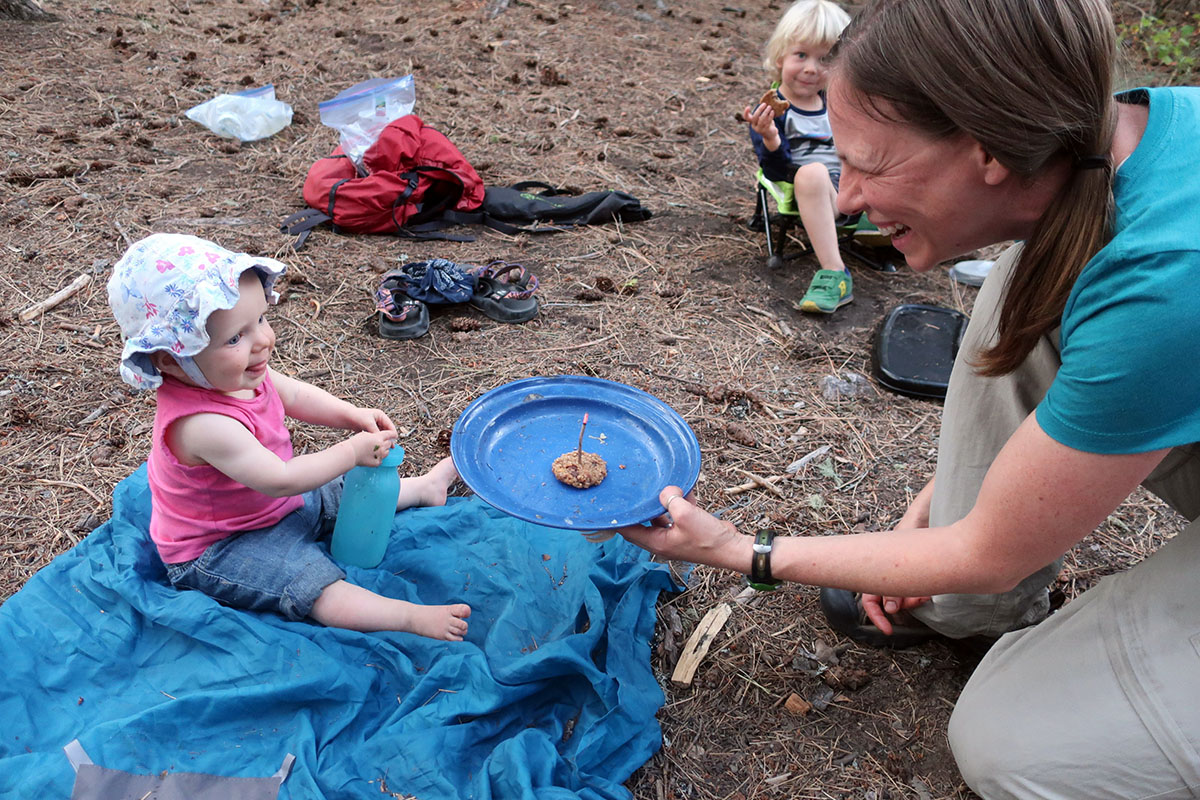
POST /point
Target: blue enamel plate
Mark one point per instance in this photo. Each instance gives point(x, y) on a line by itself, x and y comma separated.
point(504, 443)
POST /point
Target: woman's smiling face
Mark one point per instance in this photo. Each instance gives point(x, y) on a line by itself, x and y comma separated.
point(937, 198)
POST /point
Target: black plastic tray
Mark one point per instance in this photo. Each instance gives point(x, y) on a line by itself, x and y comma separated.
point(915, 348)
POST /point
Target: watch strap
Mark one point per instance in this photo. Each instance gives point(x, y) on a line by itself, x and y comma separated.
point(760, 565)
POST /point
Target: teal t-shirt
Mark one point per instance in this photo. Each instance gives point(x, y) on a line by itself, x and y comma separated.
point(1130, 336)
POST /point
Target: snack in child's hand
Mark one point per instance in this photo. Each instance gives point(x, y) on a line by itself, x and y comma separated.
point(579, 469)
point(777, 103)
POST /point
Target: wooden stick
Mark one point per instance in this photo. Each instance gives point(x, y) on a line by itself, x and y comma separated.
point(99, 411)
point(741, 487)
point(805, 460)
point(699, 642)
point(579, 449)
point(62, 294)
point(69, 485)
point(756, 482)
point(760, 481)
point(748, 485)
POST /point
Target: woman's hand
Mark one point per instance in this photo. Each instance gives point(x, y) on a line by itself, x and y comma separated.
point(762, 121)
point(878, 607)
point(686, 533)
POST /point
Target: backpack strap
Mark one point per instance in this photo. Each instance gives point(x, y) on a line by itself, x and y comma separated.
point(431, 231)
point(413, 178)
point(301, 223)
point(433, 207)
point(483, 218)
point(431, 217)
point(549, 191)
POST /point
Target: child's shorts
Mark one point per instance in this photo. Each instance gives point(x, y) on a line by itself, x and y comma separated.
point(283, 568)
point(835, 175)
point(841, 220)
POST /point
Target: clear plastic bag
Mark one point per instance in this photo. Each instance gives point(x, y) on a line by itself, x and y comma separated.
point(250, 115)
point(360, 113)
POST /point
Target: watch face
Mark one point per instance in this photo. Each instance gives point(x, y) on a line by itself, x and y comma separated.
point(762, 548)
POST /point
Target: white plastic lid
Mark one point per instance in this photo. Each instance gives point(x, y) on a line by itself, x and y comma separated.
point(971, 273)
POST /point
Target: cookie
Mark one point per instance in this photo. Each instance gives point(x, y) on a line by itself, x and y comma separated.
point(777, 104)
point(581, 470)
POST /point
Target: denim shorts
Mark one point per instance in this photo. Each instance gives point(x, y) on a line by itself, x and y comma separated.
point(282, 568)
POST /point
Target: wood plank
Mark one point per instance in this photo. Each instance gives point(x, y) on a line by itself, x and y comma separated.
point(698, 644)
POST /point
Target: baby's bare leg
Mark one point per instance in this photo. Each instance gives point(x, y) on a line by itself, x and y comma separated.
point(428, 489)
point(344, 605)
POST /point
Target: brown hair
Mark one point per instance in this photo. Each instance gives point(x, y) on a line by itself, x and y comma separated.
point(1031, 81)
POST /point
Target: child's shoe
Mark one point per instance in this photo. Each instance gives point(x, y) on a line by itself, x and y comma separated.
point(830, 290)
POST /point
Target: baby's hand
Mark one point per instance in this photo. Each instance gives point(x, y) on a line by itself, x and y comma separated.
point(371, 446)
point(372, 420)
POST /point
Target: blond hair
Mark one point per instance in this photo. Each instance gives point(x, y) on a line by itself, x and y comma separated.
point(812, 22)
point(1031, 81)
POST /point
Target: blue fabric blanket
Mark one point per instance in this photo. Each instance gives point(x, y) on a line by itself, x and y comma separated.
point(551, 696)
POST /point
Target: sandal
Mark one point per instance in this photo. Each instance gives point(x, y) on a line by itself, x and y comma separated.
point(505, 300)
point(436, 281)
point(400, 316)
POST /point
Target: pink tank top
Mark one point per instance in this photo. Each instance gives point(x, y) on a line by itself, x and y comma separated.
point(195, 506)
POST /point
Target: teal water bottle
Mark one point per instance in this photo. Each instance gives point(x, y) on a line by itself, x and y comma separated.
point(364, 518)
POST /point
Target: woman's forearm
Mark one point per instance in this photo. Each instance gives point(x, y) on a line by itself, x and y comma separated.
point(901, 563)
point(914, 562)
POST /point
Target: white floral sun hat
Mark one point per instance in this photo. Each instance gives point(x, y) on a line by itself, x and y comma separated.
point(162, 292)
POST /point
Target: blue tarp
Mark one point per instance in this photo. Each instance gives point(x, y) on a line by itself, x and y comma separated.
point(551, 696)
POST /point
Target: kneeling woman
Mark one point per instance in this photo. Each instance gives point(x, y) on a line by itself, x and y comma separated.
point(964, 123)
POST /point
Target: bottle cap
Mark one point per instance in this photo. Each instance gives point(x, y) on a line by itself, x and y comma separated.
point(394, 458)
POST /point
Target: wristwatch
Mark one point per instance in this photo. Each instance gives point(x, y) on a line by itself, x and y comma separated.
point(760, 565)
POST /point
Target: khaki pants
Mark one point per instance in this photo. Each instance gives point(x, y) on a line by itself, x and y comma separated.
point(1102, 699)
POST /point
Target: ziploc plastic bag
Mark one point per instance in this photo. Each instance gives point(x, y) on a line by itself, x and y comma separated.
point(361, 112)
point(249, 115)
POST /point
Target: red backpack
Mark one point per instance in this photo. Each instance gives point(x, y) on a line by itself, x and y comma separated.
point(417, 182)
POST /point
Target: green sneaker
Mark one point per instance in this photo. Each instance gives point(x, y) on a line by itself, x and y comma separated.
point(830, 290)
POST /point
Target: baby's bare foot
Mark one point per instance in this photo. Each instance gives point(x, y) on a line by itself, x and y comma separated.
point(437, 482)
point(440, 622)
point(429, 489)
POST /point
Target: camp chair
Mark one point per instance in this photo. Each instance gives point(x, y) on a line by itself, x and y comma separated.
point(857, 237)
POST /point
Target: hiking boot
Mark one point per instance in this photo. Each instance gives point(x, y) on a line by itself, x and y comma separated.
point(830, 290)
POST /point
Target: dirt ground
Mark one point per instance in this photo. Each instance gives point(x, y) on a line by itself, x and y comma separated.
point(95, 152)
